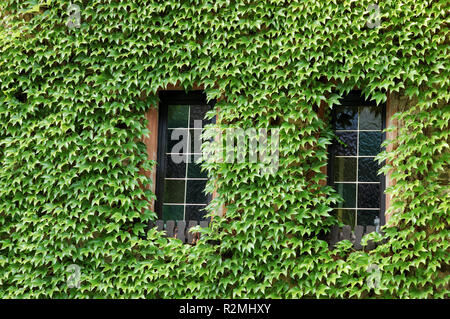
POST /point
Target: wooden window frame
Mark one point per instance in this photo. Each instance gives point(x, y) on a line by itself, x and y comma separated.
point(352, 99)
point(171, 97)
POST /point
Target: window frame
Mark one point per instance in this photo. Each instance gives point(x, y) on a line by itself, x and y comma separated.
point(355, 98)
point(166, 98)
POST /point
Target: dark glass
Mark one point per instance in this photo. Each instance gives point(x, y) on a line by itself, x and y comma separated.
point(369, 143)
point(194, 169)
point(174, 191)
point(349, 148)
point(174, 169)
point(369, 195)
point(369, 118)
point(195, 192)
point(347, 118)
point(345, 169)
point(195, 136)
point(367, 169)
point(346, 216)
point(177, 141)
point(173, 212)
point(177, 116)
point(198, 112)
point(348, 192)
point(195, 212)
point(367, 217)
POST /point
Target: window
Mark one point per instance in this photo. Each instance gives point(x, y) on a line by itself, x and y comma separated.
point(352, 170)
point(180, 182)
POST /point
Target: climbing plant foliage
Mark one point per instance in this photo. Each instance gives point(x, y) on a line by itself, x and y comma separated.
point(73, 97)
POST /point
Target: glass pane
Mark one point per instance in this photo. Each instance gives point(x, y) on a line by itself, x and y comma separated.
point(196, 141)
point(369, 195)
point(176, 166)
point(195, 212)
point(349, 146)
point(177, 141)
point(347, 216)
point(174, 191)
point(369, 143)
point(195, 192)
point(194, 169)
point(198, 112)
point(344, 169)
point(173, 212)
point(348, 192)
point(367, 217)
point(369, 118)
point(347, 118)
point(367, 169)
point(177, 116)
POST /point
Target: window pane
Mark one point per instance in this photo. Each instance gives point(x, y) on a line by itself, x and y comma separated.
point(349, 146)
point(177, 116)
point(195, 212)
point(369, 118)
point(347, 118)
point(369, 195)
point(195, 138)
point(173, 212)
point(348, 192)
point(174, 191)
point(367, 169)
point(345, 169)
point(198, 112)
point(347, 216)
point(175, 169)
point(195, 192)
point(367, 217)
point(194, 169)
point(177, 141)
point(369, 143)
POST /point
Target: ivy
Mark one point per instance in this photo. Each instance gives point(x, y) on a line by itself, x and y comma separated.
point(72, 104)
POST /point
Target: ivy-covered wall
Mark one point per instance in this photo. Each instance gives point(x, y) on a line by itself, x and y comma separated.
point(73, 99)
